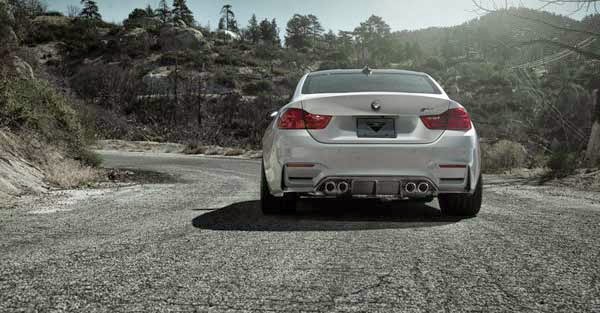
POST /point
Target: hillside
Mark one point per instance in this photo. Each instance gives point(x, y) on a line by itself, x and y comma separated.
point(167, 80)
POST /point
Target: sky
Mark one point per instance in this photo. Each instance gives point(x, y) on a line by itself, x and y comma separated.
point(333, 14)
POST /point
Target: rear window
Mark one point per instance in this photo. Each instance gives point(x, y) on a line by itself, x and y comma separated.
point(376, 82)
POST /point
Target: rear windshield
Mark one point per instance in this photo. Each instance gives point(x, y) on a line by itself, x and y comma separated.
point(376, 82)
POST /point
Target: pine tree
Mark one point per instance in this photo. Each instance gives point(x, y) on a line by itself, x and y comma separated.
point(90, 10)
point(253, 29)
point(150, 11)
point(164, 11)
point(276, 39)
point(181, 12)
point(229, 17)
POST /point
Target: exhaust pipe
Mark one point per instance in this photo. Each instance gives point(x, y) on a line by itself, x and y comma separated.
point(330, 188)
point(410, 187)
point(343, 187)
point(423, 187)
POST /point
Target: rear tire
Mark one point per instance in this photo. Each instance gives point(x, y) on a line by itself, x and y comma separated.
point(462, 204)
point(270, 204)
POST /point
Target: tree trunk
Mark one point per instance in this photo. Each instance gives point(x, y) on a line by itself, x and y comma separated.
point(592, 154)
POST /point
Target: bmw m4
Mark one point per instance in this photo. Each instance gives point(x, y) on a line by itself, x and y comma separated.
point(385, 134)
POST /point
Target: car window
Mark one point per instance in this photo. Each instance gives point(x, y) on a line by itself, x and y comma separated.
point(376, 82)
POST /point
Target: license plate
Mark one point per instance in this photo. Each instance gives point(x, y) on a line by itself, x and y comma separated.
point(376, 128)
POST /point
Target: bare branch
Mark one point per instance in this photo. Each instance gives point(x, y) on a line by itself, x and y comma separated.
point(480, 6)
point(586, 53)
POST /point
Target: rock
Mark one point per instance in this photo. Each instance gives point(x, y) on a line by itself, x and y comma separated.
point(9, 39)
point(22, 68)
point(152, 23)
point(137, 39)
point(229, 34)
point(178, 38)
point(47, 53)
point(51, 21)
point(158, 79)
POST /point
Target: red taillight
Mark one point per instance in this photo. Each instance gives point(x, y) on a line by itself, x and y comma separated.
point(453, 119)
point(300, 119)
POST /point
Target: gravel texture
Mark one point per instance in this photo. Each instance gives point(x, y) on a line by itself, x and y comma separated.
point(200, 244)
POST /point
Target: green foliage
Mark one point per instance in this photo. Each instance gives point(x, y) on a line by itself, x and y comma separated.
point(32, 106)
point(181, 12)
point(253, 30)
point(163, 11)
point(227, 20)
point(90, 10)
point(258, 88)
point(562, 163)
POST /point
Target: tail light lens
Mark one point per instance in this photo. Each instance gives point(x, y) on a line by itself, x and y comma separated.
point(300, 119)
point(453, 119)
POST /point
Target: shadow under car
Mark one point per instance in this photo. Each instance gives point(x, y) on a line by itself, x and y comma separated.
point(325, 215)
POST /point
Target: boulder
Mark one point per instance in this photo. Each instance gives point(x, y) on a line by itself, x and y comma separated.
point(174, 38)
point(9, 39)
point(158, 80)
point(51, 21)
point(137, 39)
point(22, 69)
point(229, 34)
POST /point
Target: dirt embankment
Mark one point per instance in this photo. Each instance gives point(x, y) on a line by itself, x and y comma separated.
point(30, 166)
point(17, 174)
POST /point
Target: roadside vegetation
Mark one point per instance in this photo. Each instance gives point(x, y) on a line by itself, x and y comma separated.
point(42, 132)
point(527, 76)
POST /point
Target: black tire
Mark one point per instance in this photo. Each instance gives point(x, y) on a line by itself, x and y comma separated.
point(462, 204)
point(270, 204)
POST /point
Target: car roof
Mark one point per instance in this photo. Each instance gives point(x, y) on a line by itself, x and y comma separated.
point(351, 71)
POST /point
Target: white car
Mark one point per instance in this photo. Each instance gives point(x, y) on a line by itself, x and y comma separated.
point(386, 134)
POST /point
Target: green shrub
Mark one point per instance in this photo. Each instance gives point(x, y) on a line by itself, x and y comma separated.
point(561, 164)
point(503, 155)
point(258, 88)
point(33, 106)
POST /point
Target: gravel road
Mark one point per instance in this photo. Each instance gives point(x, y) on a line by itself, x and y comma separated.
point(200, 244)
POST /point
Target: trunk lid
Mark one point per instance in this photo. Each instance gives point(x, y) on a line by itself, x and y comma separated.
point(376, 118)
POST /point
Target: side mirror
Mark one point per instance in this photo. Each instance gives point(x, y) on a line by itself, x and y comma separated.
point(273, 114)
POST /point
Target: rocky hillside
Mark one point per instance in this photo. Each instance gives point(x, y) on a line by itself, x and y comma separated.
point(155, 79)
point(42, 141)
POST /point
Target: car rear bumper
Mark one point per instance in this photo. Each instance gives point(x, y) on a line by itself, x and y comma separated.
point(295, 162)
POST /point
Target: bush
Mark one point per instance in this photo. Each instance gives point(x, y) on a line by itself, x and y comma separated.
point(561, 164)
point(503, 155)
point(258, 88)
point(31, 106)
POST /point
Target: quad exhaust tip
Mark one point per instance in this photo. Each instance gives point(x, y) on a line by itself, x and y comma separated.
point(343, 187)
point(423, 187)
point(410, 187)
point(330, 187)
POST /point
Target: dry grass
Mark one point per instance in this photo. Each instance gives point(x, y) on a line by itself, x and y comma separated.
point(503, 156)
point(68, 173)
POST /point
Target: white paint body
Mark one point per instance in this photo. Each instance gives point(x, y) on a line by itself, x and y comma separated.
point(337, 152)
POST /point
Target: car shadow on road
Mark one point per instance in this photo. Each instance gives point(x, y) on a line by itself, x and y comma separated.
point(325, 215)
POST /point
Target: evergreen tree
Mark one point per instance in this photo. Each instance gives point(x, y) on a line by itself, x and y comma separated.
point(253, 29)
point(316, 30)
point(181, 12)
point(149, 11)
point(267, 33)
point(90, 10)
point(163, 11)
point(297, 31)
point(229, 18)
point(276, 39)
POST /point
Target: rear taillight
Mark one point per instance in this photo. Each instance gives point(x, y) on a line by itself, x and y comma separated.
point(300, 119)
point(453, 119)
